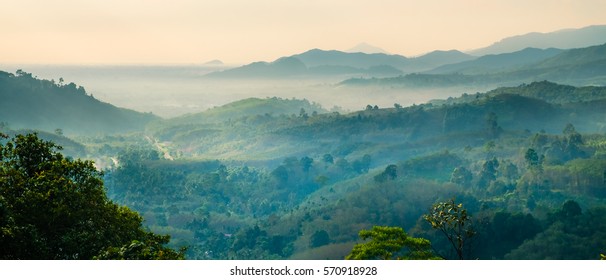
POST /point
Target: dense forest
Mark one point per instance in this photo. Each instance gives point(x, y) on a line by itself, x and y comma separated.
point(527, 163)
point(522, 168)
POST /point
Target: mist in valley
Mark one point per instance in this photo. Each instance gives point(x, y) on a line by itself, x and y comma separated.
point(171, 91)
point(299, 157)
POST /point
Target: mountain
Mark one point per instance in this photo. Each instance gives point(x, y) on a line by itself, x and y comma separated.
point(31, 103)
point(214, 62)
point(579, 67)
point(583, 66)
point(580, 56)
point(433, 59)
point(317, 57)
point(439, 58)
point(366, 48)
point(498, 62)
point(544, 90)
point(562, 39)
point(281, 68)
point(321, 63)
point(249, 107)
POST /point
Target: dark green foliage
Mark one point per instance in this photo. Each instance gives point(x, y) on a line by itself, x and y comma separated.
point(533, 160)
point(153, 247)
point(488, 173)
point(306, 163)
point(492, 126)
point(56, 208)
point(254, 242)
point(570, 234)
point(389, 174)
point(319, 238)
point(504, 232)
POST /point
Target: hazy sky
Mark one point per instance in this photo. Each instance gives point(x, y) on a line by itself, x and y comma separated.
point(242, 31)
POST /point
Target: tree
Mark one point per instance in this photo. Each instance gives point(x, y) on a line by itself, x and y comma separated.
point(306, 163)
point(362, 165)
point(319, 238)
point(572, 143)
point(452, 220)
point(391, 243)
point(489, 172)
point(303, 114)
point(52, 207)
point(492, 126)
point(151, 248)
point(569, 129)
point(328, 158)
point(390, 173)
point(534, 162)
point(461, 176)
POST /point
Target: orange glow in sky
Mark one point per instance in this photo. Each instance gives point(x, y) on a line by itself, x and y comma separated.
point(243, 31)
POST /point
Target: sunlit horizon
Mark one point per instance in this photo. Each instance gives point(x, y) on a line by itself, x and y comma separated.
point(136, 32)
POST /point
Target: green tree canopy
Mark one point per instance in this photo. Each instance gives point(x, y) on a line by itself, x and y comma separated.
point(52, 207)
point(391, 243)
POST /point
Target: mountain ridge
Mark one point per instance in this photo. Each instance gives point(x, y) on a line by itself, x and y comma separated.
point(563, 39)
point(317, 62)
point(58, 106)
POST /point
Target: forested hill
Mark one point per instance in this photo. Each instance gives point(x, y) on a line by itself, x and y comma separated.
point(391, 132)
point(251, 107)
point(29, 102)
point(547, 91)
point(527, 162)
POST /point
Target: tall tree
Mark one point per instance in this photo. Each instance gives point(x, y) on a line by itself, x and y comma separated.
point(454, 222)
point(52, 207)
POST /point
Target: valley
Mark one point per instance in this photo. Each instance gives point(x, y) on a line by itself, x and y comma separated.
point(293, 158)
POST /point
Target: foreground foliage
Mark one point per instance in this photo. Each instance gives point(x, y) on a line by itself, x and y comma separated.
point(52, 207)
point(391, 243)
point(452, 220)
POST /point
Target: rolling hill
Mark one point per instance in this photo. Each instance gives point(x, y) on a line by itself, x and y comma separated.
point(31, 103)
point(249, 107)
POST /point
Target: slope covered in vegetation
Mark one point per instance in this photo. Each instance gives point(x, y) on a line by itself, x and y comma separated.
point(32, 103)
point(527, 163)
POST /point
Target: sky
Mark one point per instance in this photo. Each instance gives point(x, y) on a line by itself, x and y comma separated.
point(244, 31)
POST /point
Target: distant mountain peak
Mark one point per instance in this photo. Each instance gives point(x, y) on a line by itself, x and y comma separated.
point(561, 39)
point(214, 62)
point(366, 48)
